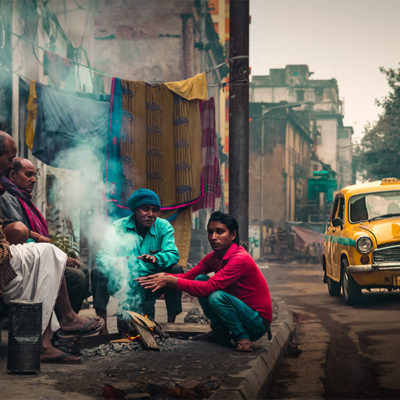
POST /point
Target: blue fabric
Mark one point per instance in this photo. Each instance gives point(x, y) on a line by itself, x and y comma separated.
point(114, 176)
point(143, 197)
point(66, 120)
point(227, 314)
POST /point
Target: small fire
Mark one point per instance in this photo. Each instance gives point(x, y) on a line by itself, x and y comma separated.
point(132, 338)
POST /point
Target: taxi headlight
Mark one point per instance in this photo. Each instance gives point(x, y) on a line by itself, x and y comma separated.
point(364, 244)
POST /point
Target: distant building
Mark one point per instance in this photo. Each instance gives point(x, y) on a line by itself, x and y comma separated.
point(345, 154)
point(280, 157)
point(320, 98)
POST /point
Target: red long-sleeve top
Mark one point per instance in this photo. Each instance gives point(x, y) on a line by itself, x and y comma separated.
point(236, 274)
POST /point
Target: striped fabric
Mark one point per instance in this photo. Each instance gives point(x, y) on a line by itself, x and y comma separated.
point(209, 157)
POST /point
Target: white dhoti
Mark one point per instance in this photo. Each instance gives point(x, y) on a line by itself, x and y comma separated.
point(39, 268)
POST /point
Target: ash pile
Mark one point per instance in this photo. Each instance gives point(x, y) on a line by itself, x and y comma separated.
point(136, 333)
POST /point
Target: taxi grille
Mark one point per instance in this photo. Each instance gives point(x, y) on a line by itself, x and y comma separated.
point(387, 254)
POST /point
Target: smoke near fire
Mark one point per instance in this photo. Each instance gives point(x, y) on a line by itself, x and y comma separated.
point(83, 190)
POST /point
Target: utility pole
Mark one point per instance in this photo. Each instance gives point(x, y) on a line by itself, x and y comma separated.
point(239, 115)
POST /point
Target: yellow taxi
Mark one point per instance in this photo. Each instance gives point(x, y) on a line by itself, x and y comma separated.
point(362, 240)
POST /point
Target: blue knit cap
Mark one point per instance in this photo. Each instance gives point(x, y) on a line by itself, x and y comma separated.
point(143, 197)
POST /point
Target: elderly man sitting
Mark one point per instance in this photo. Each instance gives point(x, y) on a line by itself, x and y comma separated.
point(35, 271)
point(138, 245)
point(22, 222)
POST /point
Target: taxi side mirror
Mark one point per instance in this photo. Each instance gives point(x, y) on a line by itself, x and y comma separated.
point(337, 222)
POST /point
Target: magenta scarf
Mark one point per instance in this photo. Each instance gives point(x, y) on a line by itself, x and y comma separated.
point(36, 221)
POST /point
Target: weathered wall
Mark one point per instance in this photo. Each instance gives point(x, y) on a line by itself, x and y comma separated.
point(326, 150)
point(143, 41)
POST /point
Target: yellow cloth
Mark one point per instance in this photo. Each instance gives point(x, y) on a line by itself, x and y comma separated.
point(190, 89)
point(183, 231)
point(31, 106)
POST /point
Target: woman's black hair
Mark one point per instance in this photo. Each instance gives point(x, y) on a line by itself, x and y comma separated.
point(229, 221)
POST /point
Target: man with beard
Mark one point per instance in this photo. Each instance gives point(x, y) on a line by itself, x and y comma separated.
point(34, 271)
point(22, 222)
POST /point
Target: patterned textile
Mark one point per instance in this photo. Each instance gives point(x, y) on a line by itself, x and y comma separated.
point(209, 155)
point(7, 273)
point(36, 220)
point(157, 144)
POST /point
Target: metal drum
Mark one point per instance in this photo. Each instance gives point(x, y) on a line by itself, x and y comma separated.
point(24, 336)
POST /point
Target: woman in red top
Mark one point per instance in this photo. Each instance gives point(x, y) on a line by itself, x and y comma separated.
point(236, 298)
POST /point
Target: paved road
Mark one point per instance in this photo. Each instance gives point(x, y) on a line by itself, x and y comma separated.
point(339, 351)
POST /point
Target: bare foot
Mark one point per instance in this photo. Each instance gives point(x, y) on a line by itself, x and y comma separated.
point(81, 323)
point(244, 345)
point(51, 354)
point(104, 330)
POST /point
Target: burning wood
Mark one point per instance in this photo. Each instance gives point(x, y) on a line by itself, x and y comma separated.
point(135, 326)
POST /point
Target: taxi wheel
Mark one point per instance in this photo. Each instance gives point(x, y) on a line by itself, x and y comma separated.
point(351, 292)
point(333, 287)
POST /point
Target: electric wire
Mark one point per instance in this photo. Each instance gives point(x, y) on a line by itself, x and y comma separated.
point(97, 71)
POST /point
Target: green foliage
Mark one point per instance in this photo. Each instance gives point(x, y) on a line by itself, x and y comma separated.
point(378, 154)
point(60, 235)
point(300, 172)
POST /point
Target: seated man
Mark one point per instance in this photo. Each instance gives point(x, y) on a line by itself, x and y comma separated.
point(23, 221)
point(138, 245)
point(34, 271)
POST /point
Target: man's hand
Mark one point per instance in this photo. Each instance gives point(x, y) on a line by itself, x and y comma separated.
point(148, 258)
point(43, 239)
point(158, 281)
point(74, 263)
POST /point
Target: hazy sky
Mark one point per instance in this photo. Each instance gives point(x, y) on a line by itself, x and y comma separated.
point(344, 39)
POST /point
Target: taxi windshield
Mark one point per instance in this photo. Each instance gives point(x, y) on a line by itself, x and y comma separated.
point(373, 206)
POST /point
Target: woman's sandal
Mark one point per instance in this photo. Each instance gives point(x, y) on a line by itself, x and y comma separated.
point(244, 345)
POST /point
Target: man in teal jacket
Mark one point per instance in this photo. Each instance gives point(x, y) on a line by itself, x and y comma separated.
point(138, 245)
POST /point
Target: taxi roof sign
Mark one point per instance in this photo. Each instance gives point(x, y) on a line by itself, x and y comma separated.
point(389, 181)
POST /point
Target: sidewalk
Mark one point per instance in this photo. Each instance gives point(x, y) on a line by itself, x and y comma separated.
point(182, 368)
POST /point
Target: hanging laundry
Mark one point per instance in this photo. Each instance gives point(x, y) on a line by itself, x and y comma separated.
point(210, 174)
point(190, 89)
point(56, 67)
point(157, 136)
point(31, 107)
point(66, 120)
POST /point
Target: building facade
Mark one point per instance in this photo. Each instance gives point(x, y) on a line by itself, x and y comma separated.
point(280, 156)
point(318, 97)
point(81, 47)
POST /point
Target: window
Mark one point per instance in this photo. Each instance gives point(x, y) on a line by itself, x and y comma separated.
point(319, 94)
point(300, 95)
point(374, 206)
point(342, 133)
point(334, 209)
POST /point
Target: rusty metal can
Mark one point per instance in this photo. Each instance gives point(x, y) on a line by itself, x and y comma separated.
point(24, 336)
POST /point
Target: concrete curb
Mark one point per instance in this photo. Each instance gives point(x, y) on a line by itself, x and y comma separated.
point(255, 378)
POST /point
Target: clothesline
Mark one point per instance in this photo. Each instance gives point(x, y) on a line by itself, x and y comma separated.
point(221, 85)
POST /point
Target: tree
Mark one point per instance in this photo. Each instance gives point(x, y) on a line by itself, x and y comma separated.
point(378, 154)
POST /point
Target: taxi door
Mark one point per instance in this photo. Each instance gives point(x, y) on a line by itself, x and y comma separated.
point(338, 239)
point(330, 231)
